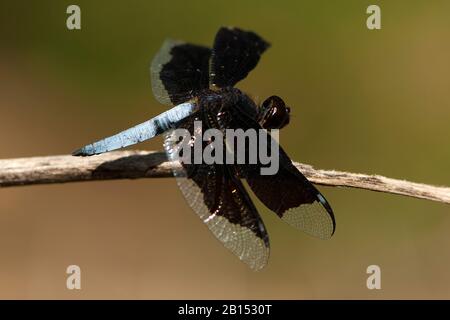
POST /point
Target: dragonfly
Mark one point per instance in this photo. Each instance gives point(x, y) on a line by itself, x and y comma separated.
point(198, 84)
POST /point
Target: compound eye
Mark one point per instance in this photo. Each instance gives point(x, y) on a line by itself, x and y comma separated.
point(274, 114)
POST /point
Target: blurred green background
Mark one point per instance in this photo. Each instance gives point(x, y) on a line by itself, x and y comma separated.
point(362, 101)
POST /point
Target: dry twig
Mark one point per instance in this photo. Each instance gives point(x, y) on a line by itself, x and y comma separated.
point(151, 164)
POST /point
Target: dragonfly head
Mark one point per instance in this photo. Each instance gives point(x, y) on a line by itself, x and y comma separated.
point(273, 113)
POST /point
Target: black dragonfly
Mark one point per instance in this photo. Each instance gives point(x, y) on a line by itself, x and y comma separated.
point(198, 82)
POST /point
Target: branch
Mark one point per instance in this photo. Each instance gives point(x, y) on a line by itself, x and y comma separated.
point(151, 164)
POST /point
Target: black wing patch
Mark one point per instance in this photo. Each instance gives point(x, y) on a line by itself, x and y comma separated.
point(235, 54)
point(178, 71)
point(288, 193)
point(293, 198)
point(218, 197)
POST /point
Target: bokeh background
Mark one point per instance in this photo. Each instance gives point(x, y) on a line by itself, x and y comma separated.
point(362, 101)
